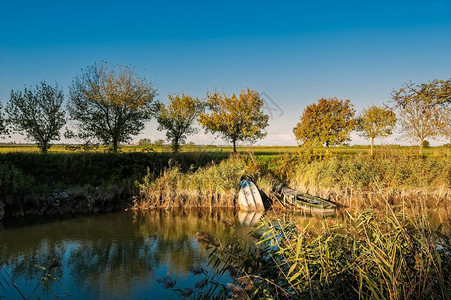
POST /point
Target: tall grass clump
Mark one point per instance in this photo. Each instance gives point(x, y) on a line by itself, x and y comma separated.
point(360, 181)
point(365, 256)
point(215, 185)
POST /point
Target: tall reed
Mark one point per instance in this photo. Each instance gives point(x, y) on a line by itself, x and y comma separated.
point(215, 185)
point(365, 256)
point(360, 181)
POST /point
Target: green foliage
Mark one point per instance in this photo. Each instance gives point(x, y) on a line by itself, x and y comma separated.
point(424, 110)
point(37, 113)
point(365, 174)
point(376, 122)
point(329, 122)
point(236, 118)
point(56, 170)
point(3, 129)
point(145, 142)
point(159, 142)
point(110, 104)
point(214, 185)
point(364, 256)
point(178, 118)
point(13, 184)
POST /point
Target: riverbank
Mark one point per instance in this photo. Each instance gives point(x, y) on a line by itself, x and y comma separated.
point(355, 182)
point(83, 183)
point(34, 184)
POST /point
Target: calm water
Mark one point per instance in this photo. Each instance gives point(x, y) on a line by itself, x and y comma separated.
point(114, 256)
point(119, 255)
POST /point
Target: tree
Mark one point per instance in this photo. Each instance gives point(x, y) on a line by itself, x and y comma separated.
point(37, 113)
point(235, 118)
point(3, 129)
point(329, 122)
point(110, 104)
point(424, 110)
point(178, 118)
point(145, 142)
point(159, 143)
point(375, 122)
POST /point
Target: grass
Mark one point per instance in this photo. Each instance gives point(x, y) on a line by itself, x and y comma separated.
point(356, 181)
point(257, 150)
point(394, 177)
point(359, 256)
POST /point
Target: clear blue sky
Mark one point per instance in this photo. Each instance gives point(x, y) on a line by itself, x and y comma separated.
point(295, 52)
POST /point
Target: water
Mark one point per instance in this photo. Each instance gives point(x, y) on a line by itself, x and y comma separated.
point(114, 256)
point(121, 255)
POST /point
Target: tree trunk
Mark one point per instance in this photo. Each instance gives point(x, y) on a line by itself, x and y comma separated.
point(114, 146)
point(372, 146)
point(327, 147)
point(44, 147)
point(421, 146)
point(175, 145)
point(234, 146)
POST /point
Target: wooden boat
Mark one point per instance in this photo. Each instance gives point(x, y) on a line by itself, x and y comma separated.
point(305, 201)
point(249, 198)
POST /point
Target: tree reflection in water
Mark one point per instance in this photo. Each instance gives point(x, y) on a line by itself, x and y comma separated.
point(117, 255)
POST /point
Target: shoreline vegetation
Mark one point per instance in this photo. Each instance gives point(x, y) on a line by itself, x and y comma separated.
point(87, 182)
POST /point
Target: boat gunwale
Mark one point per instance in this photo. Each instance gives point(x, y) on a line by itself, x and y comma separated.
point(323, 204)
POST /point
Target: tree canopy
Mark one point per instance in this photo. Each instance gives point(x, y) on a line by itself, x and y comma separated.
point(110, 103)
point(376, 122)
point(3, 129)
point(178, 118)
point(329, 122)
point(424, 110)
point(37, 113)
point(235, 118)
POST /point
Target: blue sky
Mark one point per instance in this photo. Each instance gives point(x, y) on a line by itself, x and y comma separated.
point(295, 52)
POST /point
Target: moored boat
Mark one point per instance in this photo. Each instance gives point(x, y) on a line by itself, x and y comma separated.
point(305, 201)
point(249, 198)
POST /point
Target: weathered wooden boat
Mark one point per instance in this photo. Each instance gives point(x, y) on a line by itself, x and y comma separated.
point(249, 198)
point(306, 202)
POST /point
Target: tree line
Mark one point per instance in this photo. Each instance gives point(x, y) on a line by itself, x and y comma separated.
point(423, 111)
point(109, 104)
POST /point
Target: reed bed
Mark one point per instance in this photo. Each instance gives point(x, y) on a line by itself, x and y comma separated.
point(395, 180)
point(367, 255)
point(215, 185)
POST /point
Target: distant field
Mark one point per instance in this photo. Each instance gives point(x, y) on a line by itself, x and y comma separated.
point(257, 150)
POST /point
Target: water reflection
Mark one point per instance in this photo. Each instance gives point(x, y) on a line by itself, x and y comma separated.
point(249, 218)
point(121, 255)
point(114, 256)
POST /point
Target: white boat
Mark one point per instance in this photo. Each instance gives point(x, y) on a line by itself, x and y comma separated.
point(249, 198)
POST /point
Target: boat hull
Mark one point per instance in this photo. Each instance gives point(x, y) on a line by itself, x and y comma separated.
point(306, 202)
point(249, 198)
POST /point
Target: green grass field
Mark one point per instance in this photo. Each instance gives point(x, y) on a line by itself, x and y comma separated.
point(257, 150)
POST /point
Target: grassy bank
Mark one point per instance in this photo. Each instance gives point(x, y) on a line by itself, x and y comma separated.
point(395, 178)
point(33, 183)
point(357, 181)
point(361, 181)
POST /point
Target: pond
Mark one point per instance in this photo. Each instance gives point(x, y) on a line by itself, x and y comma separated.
point(114, 256)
